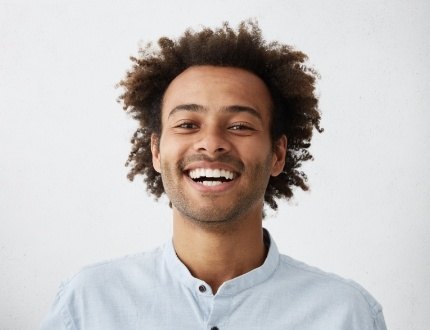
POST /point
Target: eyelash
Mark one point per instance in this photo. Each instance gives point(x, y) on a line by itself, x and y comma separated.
point(186, 125)
point(241, 126)
point(235, 127)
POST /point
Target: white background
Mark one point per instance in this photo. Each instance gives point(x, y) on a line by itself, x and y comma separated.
point(64, 198)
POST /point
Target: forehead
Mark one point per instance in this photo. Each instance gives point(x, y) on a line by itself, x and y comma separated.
point(216, 87)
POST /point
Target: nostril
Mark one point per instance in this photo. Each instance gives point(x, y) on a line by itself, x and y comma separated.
point(212, 140)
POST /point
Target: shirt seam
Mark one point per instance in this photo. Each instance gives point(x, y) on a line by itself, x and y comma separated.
point(67, 317)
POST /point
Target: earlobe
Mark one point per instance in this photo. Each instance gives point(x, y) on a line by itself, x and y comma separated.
point(279, 154)
point(155, 150)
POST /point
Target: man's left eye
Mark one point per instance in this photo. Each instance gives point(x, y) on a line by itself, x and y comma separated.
point(240, 126)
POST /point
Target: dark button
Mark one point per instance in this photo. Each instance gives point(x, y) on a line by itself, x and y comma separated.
point(214, 328)
point(202, 288)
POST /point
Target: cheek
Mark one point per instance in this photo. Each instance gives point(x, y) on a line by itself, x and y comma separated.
point(171, 152)
point(258, 147)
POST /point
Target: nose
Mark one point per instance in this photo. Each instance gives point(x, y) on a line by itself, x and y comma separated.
point(212, 141)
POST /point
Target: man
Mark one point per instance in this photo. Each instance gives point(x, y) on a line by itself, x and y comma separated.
point(225, 123)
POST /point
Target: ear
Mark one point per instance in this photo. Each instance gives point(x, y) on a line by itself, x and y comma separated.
point(155, 150)
point(279, 153)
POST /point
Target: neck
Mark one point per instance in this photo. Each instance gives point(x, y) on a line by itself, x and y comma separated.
point(218, 255)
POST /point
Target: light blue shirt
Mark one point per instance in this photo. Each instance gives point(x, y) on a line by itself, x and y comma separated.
point(155, 290)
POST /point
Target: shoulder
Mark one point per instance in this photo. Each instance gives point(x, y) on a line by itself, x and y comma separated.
point(327, 288)
point(105, 293)
point(128, 269)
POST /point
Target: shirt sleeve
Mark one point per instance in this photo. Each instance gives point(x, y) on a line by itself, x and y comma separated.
point(58, 317)
point(380, 321)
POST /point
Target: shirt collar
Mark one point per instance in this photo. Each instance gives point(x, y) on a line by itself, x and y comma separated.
point(254, 277)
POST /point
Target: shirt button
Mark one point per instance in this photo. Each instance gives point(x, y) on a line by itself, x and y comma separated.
point(202, 288)
point(214, 328)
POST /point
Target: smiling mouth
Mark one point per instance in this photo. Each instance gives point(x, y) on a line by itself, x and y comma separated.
point(211, 177)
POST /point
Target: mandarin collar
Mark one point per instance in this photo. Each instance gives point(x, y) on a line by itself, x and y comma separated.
point(231, 287)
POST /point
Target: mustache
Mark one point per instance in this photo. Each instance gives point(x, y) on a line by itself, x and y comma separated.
point(224, 158)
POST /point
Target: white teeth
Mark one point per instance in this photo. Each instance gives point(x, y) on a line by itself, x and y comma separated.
point(227, 174)
point(211, 183)
point(211, 173)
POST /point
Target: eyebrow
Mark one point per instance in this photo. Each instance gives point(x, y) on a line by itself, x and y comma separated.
point(229, 109)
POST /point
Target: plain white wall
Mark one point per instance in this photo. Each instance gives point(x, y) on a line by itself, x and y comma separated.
point(65, 201)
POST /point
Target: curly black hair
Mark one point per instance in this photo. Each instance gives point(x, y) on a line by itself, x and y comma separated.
point(290, 81)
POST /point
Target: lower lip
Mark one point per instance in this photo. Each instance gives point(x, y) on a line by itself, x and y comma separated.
point(211, 189)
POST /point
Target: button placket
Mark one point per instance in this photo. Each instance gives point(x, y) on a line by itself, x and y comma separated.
point(220, 312)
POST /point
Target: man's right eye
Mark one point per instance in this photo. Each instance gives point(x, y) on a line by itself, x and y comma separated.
point(186, 125)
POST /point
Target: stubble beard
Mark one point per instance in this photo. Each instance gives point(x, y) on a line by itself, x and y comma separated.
point(218, 218)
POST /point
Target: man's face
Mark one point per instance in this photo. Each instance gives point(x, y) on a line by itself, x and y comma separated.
point(215, 155)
